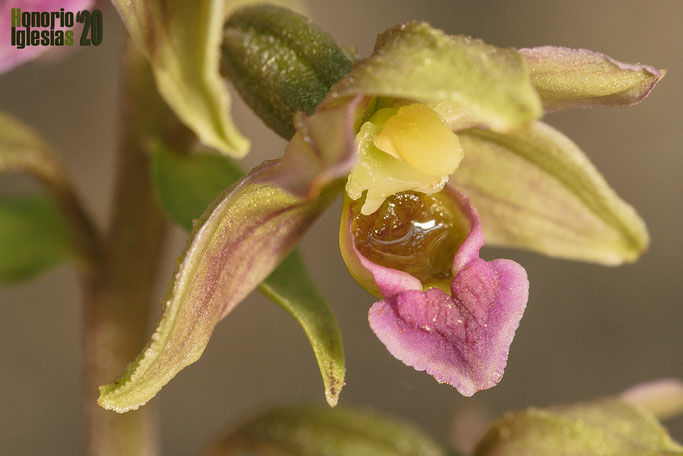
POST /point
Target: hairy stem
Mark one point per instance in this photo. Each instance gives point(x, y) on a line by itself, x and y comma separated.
point(118, 294)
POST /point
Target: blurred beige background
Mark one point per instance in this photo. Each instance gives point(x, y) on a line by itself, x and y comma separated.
point(588, 330)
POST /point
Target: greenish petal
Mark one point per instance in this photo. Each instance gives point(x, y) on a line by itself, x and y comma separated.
point(318, 431)
point(579, 78)
point(607, 428)
point(185, 186)
point(182, 41)
point(465, 80)
point(239, 240)
point(535, 189)
point(33, 237)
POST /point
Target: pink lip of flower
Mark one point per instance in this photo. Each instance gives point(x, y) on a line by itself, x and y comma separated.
point(10, 56)
point(491, 98)
point(462, 339)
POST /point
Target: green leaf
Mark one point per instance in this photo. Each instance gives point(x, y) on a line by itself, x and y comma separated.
point(33, 237)
point(317, 431)
point(535, 189)
point(579, 78)
point(22, 150)
point(465, 80)
point(240, 239)
point(281, 63)
point(186, 185)
point(606, 428)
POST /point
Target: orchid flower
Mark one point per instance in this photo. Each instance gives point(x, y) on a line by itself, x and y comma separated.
point(407, 135)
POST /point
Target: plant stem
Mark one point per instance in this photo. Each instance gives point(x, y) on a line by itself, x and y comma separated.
point(118, 294)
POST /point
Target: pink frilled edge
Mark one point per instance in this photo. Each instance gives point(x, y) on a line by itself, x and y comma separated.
point(462, 339)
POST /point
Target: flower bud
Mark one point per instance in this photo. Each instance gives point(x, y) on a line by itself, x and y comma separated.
point(280, 63)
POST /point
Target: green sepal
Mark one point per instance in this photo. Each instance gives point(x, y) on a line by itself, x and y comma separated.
point(186, 185)
point(468, 82)
point(536, 189)
point(237, 242)
point(280, 63)
point(317, 431)
point(578, 78)
point(33, 236)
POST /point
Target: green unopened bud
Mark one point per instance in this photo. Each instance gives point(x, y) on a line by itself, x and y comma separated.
point(280, 63)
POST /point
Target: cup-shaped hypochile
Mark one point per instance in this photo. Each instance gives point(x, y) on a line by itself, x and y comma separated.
point(460, 334)
point(412, 232)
